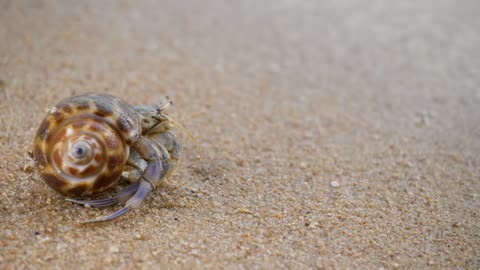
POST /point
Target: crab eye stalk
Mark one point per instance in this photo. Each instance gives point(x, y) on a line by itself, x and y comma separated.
point(164, 103)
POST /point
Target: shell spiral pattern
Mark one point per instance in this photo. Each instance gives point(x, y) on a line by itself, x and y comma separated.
point(83, 143)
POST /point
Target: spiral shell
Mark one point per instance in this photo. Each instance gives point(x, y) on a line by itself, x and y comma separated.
point(83, 143)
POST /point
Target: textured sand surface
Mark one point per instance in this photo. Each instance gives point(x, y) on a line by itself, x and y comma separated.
point(335, 134)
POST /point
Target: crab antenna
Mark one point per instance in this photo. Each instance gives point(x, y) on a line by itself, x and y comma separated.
point(184, 130)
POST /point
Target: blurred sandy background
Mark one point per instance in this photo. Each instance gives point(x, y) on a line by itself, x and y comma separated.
point(335, 134)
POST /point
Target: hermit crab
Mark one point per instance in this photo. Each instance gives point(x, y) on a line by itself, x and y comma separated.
point(88, 142)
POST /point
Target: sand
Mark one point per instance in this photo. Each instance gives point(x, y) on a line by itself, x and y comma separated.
point(333, 134)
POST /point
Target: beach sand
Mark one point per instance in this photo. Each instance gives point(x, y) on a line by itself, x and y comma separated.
point(333, 134)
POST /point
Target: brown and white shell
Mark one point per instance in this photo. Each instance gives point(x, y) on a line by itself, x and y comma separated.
point(83, 143)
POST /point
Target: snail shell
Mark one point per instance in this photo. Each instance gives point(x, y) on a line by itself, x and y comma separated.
point(83, 143)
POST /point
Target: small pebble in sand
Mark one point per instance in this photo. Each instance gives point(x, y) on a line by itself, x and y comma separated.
point(28, 168)
point(334, 184)
point(303, 165)
point(137, 235)
point(245, 211)
point(113, 249)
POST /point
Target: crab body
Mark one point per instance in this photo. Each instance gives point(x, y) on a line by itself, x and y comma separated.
point(87, 142)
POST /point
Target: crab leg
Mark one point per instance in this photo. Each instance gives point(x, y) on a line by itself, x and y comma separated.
point(142, 192)
point(121, 197)
point(153, 154)
point(136, 165)
point(168, 141)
